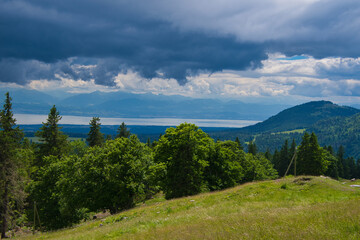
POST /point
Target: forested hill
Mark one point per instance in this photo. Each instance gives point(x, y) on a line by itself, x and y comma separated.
point(340, 131)
point(301, 116)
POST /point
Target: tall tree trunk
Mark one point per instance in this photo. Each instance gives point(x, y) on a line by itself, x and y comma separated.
point(4, 209)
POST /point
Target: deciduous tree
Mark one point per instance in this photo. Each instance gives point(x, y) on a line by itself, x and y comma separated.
point(184, 150)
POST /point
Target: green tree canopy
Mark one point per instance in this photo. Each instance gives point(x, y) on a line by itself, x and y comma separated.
point(184, 151)
point(224, 166)
point(112, 176)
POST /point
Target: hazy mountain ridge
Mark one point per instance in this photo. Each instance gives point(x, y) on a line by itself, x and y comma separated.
point(123, 104)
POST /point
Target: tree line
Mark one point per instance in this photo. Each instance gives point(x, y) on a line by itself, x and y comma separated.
point(61, 182)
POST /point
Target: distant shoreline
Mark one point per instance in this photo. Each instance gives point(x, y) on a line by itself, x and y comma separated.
point(34, 119)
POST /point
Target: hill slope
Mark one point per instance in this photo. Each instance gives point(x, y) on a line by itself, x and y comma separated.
point(340, 131)
point(291, 208)
point(301, 116)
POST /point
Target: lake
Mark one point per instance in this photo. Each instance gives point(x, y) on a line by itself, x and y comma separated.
point(78, 120)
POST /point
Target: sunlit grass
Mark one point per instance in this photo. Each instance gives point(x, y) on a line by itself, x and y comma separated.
point(301, 131)
point(37, 139)
point(291, 208)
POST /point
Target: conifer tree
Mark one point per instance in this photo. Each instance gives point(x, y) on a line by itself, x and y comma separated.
point(238, 143)
point(54, 142)
point(268, 154)
point(252, 148)
point(284, 158)
point(10, 137)
point(311, 159)
point(123, 131)
point(95, 137)
point(342, 168)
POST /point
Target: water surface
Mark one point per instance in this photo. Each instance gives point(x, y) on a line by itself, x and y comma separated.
point(77, 120)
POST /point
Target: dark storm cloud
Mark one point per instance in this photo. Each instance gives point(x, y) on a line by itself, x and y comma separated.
point(327, 28)
point(117, 33)
point(39, 39)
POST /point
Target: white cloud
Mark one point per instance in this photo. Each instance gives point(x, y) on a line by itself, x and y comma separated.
point(279, 77)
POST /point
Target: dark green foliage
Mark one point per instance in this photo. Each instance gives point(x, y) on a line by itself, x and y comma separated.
point(311, 159)
point(340, 131)
point(344, 170)
point(54, 142)
point(301, 116)
point(95, 137)
point(10, 177)
point(123, 131)
point(274, 142)
point(252, 148)
point(237, 140)
point(284, 159)
point(268, 154)
point(184, 150)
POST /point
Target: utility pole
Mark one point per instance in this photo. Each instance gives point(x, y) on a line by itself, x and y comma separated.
point(292, 160)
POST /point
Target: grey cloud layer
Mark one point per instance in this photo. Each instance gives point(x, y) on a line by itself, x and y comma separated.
point(178, 38)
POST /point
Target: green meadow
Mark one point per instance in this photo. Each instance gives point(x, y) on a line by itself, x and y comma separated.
point(292, 208)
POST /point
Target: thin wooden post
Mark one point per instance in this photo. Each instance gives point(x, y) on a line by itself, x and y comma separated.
point(34, 217)
point(294, 157)
point(295, 167)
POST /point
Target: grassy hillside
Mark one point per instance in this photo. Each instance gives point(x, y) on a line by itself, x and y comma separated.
point(291, 208)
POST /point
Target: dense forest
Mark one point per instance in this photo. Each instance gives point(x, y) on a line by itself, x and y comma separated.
point(333, 124)
point(56, 183)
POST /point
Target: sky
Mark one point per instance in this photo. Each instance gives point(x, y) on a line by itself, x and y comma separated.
point(259, 50)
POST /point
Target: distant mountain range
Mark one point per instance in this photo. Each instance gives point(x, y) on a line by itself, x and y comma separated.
point(129, 105)
point(333, 124)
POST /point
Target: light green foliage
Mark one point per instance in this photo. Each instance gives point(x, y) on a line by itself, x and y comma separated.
point(332, 161)
point(224, 166)
point(78, 148)
point(114, 176)
point(184, 150)
point(257, 167)
point(111, 177)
